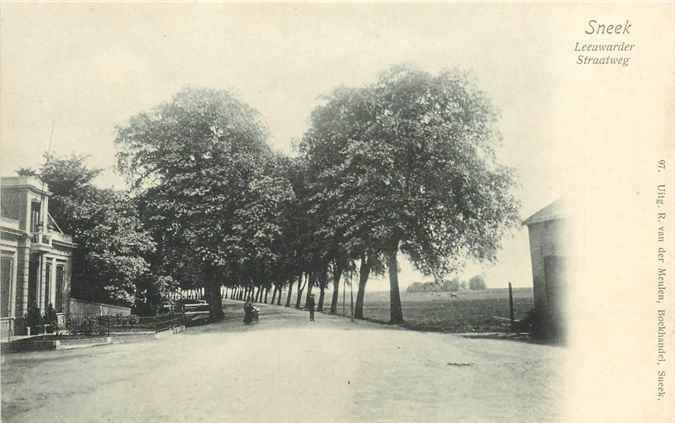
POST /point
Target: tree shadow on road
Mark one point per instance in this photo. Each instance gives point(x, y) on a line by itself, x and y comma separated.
point(274, 317)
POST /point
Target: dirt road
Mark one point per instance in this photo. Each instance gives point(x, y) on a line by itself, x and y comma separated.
point(286, 369)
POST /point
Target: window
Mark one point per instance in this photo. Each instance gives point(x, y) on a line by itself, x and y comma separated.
point(60, 274)
point(6, 270)
point(48, 282)
point(33, 280)
point(35, 216)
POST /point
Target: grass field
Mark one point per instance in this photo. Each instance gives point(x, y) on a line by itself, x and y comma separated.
point(471, 311)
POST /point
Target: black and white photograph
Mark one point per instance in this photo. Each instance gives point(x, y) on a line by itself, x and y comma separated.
point(337, 212)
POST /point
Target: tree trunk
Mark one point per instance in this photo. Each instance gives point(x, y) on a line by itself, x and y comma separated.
point(322, 294)
point(301, 287)
point(267, 291)
point(298, 300)
point(336, 288)
point(274, 293)
point(290, 293)
point(310, 285)
point(364, 272)
point(281, 290)
point(213, 297)
point(323, 282)
point(396, 312)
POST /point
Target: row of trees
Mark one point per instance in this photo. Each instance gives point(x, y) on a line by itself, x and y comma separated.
point(406, 164)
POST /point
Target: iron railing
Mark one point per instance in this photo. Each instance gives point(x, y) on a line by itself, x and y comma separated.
point(88, 325)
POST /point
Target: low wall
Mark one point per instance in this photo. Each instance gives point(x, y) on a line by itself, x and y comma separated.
point(89, 308)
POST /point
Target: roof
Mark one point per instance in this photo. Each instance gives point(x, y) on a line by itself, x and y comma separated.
point(29, 182)
point(554, 211)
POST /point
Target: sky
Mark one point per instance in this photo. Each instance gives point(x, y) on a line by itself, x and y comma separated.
point(84, 69)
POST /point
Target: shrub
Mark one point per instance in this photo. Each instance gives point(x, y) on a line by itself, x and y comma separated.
point(34, 318)
point(51, 318)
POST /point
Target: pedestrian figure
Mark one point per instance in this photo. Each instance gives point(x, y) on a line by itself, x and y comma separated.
point(310, 307)
point(250, 312)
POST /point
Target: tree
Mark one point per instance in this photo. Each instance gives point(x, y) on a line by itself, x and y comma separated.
point(202, 161)
point(111, 242)
point(416, 287)
point(112, 245)
point(70, 181)
point(477, 283)
point(451, 285)
point(409, 164)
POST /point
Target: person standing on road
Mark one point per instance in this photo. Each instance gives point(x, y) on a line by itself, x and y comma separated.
point(310, 307)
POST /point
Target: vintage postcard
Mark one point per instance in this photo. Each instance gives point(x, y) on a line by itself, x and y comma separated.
point(337, 212)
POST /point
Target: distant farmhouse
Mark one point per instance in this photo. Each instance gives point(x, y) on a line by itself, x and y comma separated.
point(549, 237)
point(35, 255)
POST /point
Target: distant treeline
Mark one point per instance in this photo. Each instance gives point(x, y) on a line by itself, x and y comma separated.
point(448, 285)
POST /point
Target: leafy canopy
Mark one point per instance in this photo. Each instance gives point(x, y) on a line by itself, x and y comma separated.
point(207, 183)
point(410, 161)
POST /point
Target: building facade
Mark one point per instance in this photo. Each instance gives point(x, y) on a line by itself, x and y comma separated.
point(35, 255)
point(549, 240)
